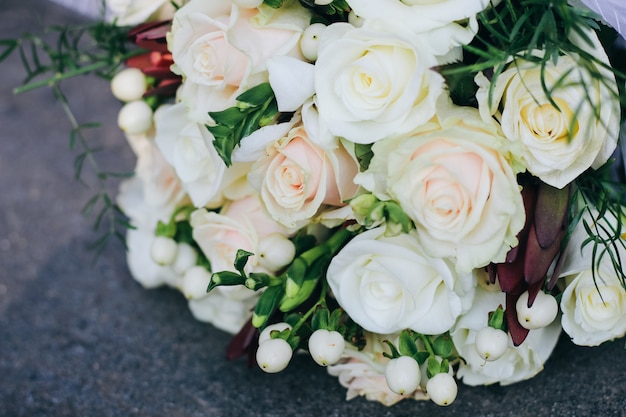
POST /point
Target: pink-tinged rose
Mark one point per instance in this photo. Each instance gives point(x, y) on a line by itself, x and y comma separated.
point(362, 372)
point(241, 224)
point(457, 183)
point(216, 43)
point(296, 178)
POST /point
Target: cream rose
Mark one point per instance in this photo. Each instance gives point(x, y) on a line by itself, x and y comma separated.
point(593, 311)
point(517, 363)
point(296, 178)
point(457, 183)
point(216, 43)
point(362, 372)
point(445, 24)
point(241, 224)
point(558, 143)
point(387, 284)
point(188, 148)
point(371, 83)
point(134, 12)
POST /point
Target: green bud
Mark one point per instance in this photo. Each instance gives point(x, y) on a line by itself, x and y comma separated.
point(266, 305)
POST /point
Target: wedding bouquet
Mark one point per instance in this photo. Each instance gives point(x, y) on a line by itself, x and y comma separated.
point(412, 192)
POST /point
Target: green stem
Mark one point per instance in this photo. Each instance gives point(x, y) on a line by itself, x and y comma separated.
point(321, 302)
point(427, 344)
point(52, 81)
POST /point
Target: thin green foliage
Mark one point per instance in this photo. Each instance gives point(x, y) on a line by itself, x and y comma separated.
point(65, 52)
point(597, 203)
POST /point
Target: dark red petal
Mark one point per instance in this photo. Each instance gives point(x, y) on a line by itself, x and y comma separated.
point(241, 343)
point(550, 213)
point(537, 259)
point(518, 333)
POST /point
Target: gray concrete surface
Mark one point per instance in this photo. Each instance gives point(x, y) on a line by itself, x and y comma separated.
point(83, 339)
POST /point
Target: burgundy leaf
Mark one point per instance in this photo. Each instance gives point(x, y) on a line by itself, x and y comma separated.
point(518, 333)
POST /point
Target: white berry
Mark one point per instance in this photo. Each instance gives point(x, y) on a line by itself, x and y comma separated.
point(163, 250)
point(540, 314)
point(266, 334)
point(276, 251)
point(273, 355)
point(491, 343)
point(326, 347)
point(248, 4)
point(323, 2)
point(129, 84)
point(186, 258)
point(442, 389)
point(135, 117)
point(310, 40)
point(403, 375)
point(195, 283)
point(354, 19)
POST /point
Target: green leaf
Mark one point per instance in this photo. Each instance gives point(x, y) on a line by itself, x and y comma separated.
point(394, 351)
point(496, 318)
point(274, 4)
point(443, 346)
point(229, 117)
point(241, 258)
point(433, 366)
point(320, 318)
point(407, 344)
point(363, 155)
point(256, 96)
point(9, 47)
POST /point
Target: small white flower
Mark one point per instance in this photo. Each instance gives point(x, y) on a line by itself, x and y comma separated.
point(276, 251)
point(326, 346)
point(195, 283)
point(540, 314)
point(128, 84)
point(163, 250)
point(135, 117)
point(273, 355)
point(186, 257)
point(491, 343)
point(310, 40)
point(403, 375)
point(442, 389)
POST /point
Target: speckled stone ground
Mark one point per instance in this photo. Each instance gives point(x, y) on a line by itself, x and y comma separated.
point(83, 339)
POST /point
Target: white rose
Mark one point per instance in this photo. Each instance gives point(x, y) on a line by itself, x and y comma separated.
point(362, 372)
point(558, 144)
point(223, 311)
point(188, 147)
point(140, 263)
point(134, 12)
point(387, 284)
point(371, 83)
point(457, 184)
point(154, 191)
point(517, 363)
point(593, 311)
point(296, 177)
point(216, 43)
point(241, 224)
point(444, 23)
